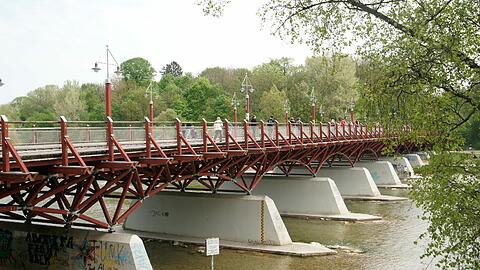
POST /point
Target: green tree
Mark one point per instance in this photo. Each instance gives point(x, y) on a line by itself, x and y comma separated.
point(271, 103)
point(173, 68)
point(138, 70)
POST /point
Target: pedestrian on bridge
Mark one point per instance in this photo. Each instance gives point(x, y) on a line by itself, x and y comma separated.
point(270, 124)
point(218, 128)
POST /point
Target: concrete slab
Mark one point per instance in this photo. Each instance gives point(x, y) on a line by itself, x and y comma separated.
point(381, 198)
point(30, 246)
point(399, 186)
point(340, 217)
point(292, 249)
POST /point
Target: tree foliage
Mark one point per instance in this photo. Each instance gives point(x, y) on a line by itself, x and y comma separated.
point(138, 70)
point(173, 69)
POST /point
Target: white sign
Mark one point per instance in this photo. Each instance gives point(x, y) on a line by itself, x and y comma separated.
point(212, 246)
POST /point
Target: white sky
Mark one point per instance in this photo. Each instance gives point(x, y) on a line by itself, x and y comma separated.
point(49, 41)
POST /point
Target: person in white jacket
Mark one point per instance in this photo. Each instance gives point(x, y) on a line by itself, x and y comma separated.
point(218, 128)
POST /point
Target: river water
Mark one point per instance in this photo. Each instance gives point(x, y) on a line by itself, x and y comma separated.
point(385, 244)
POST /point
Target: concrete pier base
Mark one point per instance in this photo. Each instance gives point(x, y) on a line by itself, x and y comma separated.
point(240, 221)
point(26, 246)
point(425, 156)
point(402, 166)
point(414, 160)
point(383, 174)
point(306, 197)
point(355, 184)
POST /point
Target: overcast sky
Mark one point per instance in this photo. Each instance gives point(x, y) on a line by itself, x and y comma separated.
point(49, 41)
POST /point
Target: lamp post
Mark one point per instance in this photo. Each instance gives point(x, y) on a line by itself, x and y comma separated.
point(147, 92)
point(108, 86)
point(1, 83)
point(286, 108)
point(320, 112)
point(235, 104)
point(313, 100)
point(247, 88)
point(352, 112)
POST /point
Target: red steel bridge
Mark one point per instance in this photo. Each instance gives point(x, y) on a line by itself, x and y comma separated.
point(94, 174)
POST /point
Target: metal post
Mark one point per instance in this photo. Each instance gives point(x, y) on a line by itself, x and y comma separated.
point(148, 135)
point(108, 98)
point(247, 107)
point(179, 132)
point(212, 264)
point(5, 150)
point(63, 134)
point(111, 153)
point(151, 112)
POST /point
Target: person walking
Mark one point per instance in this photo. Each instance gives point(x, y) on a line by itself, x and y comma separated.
point(218, 128)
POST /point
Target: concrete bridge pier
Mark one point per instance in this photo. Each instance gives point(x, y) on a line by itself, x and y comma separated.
point(383, 174)
point(402, 166)
point(27, 246)
point(306, 197)
point(414, 160)
point(356, 184)
point(240, 221)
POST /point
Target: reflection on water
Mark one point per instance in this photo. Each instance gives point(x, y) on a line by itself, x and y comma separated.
point(387, 244)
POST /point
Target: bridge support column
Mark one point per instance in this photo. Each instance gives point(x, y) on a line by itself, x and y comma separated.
point(402, 166)
point(26, 246)
point(242, 222)
point(306, 197)
point(355, 183)
point(383, 174)
point(414, 160)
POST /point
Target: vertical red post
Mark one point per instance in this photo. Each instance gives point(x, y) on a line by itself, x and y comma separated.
point(227, 135)
point(247, 106)
point(179, 133)
point(5, 150)
point(108, 98)
point(111, 153)
point(63, 135)
point(235, 122)
point(204, 134)
point(329, 136)
point(245, 132)
point(148, 134)
point(289, 130)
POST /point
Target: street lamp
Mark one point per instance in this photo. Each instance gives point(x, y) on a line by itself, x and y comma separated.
point(150, 89)
point(286, 108)
point(352, 112)
point(1, 83)
point(108, 87)
point(313, 99)
point(235, 104)
point(247, 88)
point(320, 112)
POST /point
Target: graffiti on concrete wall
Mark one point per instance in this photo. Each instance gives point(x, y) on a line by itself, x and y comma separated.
point(32, 250)
point(6, 257)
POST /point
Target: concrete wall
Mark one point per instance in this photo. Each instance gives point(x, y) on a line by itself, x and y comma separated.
point(230, 217)
point(352, 181)
point(414, 160)
point(25, 246)
point(382, 172)
point(401, 165)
